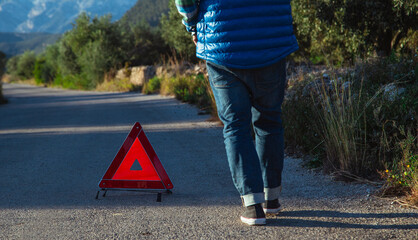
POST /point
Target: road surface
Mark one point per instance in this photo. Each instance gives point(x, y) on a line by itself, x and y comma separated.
point(55, 145)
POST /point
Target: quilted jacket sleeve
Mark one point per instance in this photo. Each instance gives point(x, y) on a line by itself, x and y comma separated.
point(189, 9)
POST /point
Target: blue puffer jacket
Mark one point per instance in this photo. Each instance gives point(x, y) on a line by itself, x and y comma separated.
point(245, 33)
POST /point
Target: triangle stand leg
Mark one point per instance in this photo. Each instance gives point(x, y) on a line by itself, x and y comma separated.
point(159, 194)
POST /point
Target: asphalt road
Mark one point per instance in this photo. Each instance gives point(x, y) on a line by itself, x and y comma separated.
point(55, 145)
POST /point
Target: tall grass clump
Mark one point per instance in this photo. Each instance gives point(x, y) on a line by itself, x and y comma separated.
point(340, 126)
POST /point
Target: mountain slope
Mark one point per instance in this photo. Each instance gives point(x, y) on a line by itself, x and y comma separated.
point(145, 10)
point(54, 16)
point(16, 43)
point(57, 16)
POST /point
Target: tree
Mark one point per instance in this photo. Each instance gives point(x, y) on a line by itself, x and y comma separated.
point(11, 65)
point(26, 64)
point(149, 11)
point(103, 51)
point(88, 51)
point(143, 45)
point(67, 59)
point(175, 34)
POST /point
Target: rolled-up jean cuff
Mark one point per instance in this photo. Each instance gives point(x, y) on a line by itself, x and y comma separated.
point(272, 193)
point(253, 198)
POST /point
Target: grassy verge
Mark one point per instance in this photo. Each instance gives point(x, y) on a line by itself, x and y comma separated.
point(193, 89)
point(7, 78)
point(113, 85)
point(186, 84)
point(117, 85)
point(361, 122)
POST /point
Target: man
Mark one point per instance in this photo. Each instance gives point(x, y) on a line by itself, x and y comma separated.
point(244, 43)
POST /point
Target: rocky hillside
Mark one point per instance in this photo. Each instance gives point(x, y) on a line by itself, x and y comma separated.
point(145, 10)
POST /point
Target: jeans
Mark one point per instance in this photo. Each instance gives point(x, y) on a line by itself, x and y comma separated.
point(245, 96)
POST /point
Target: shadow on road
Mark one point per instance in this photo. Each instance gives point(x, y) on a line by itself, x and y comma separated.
point(317, 213)
point(285, 219)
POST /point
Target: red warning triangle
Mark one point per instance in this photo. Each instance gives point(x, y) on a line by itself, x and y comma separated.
point(136, 165)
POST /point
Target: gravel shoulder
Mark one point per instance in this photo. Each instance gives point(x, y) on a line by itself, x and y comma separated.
point(55, 145)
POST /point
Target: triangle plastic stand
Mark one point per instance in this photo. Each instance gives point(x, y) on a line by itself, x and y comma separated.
point(136, 167)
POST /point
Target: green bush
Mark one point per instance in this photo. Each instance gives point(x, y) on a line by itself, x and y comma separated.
point(194, 89)
point(71, 82)
point(402, 174)
point(153, 86)
point(43, 71)
point(37, 72)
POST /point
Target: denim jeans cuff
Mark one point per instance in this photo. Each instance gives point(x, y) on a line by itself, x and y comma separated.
point(272, 193)
point(253, 198)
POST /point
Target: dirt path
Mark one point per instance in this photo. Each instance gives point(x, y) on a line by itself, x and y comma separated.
point(55, 146)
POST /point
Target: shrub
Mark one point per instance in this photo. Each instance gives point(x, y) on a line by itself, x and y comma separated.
point(186, 86)
point(37, 72)
point(192, 89)
point(152, 86)
point(71, 82)
point(402, 174)
point(43, 72)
